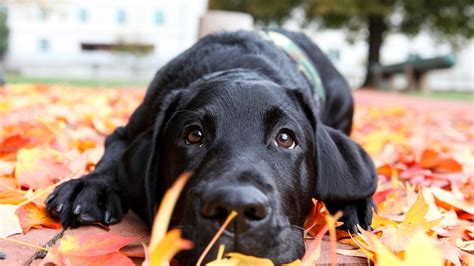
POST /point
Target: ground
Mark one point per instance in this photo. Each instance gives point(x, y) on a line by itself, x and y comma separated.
point(421, 147)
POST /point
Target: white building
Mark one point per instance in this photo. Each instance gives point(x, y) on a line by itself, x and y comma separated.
point(79, 38)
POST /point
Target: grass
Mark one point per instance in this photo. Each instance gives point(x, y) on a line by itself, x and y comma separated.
point(17, 79)
point(467, 96)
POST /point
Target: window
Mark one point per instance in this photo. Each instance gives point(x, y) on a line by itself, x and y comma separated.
point(43, 14)
point(159, 18)
point(121, 17)
point(83, 15)
point(136, 48)
point(43, 45)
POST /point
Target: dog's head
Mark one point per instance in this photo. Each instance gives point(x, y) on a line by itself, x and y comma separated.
point(254, 147)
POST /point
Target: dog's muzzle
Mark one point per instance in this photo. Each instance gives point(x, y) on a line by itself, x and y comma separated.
point(250, 203)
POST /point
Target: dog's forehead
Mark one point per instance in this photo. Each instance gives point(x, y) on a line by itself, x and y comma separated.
point(256, 97)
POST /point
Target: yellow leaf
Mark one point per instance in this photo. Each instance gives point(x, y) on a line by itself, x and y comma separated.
point(162, 219)
point(164, 251)
point(294, 263)
point(381, 221)
point(421, 251)
point(416, 214)
point(163, 246)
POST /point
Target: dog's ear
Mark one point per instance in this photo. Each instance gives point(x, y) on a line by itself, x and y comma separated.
point(153, 189)
point(344, 171)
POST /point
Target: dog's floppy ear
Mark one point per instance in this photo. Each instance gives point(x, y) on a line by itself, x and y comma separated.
point(153, 190)
point(344, 170)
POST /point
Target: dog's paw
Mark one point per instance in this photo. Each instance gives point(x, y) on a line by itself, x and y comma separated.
point(84, 201)
point(355, 213)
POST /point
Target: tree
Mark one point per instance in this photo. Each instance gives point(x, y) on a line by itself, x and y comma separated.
point(448, 20)
point(4, 32)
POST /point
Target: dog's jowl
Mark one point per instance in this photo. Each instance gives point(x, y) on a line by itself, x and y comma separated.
point(261, 119)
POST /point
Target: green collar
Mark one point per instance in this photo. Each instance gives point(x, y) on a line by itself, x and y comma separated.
point(299, 57)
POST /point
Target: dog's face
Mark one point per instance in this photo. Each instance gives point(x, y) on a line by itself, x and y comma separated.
point(250, 147)
point(258, 149)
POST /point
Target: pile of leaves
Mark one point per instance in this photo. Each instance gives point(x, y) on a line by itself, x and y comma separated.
point(425, 197)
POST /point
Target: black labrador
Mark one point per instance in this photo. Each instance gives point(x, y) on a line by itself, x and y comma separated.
point(236, 111)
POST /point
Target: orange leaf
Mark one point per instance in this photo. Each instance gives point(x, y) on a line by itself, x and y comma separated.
point(316, 221)
point(32, 216)
point(429, 158)
point(90, 249)
point(115, 258)
point(11, 197)
point(40, 167)
point(385, 170)
point(448, 166)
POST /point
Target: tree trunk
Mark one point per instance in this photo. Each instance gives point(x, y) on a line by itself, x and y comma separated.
point(377, 27)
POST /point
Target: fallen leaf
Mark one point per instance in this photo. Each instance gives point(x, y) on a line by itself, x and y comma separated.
point(32, 216)
point(90, 249)
point(40, 167)
point(163, 246)
point(12, 197)
point(9, 223)
point(448, 200)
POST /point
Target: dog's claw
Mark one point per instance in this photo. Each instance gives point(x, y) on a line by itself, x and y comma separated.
point(77, 210)
point(59, 208)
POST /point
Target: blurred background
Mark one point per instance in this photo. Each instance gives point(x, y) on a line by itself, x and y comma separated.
point(411, 45)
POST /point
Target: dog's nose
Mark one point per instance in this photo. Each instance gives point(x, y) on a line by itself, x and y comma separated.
point(250, 203)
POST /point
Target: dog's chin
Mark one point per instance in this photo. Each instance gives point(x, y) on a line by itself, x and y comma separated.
point(281, 245)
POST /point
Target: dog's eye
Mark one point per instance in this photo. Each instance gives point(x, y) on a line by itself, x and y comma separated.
point(194, 135)
point(285, 140)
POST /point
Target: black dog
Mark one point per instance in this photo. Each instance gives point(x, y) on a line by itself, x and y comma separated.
point(236, 111)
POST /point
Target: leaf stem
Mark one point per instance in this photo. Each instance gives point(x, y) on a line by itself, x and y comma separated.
point(216, 236)
point(66, 178)
point(23, 243)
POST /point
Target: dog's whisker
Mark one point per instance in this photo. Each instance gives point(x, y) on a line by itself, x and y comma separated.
point(297, 227)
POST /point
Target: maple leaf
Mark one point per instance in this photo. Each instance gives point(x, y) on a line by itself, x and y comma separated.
point(90, 249)
point(452, 199)
point(12, 197)
point(420, 250)
point(316, 221)
point(396, 236)
point(429, 158)
point(163, 246)
point(32, 216)
point(40, 167)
